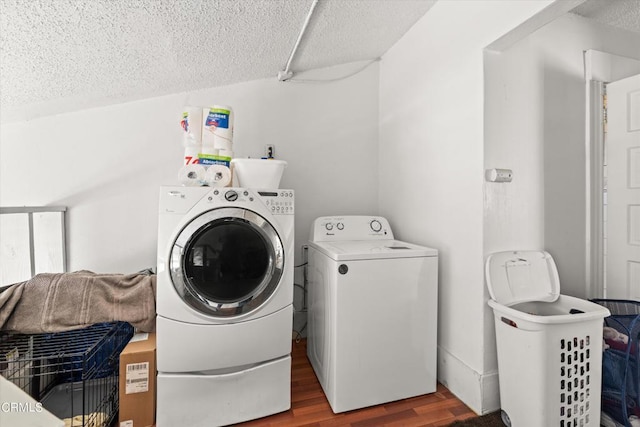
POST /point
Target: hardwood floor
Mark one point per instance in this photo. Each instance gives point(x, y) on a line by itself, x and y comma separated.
point(309, 407)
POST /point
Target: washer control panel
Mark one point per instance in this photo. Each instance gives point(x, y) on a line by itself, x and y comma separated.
point(350, 227)
point(279, 202)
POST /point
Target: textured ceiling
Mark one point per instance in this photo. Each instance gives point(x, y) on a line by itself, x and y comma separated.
point(61, 55)
point(65, 55)
point(623, 14)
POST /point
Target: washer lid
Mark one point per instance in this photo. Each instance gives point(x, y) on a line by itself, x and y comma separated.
point(520, 276)
point(351, 250)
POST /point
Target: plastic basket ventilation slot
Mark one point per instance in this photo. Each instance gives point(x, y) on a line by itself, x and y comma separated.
point(575, 381)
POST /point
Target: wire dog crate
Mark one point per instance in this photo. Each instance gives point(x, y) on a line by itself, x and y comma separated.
point(73, 374)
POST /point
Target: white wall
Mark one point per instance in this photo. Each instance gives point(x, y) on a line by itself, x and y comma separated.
point(425, 106)
point(106, 164)
point(536, 126)
point(431, 171)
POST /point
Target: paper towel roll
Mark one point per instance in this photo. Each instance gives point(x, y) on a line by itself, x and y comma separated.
point(217, 127)
point(191, 154)
point(225, 153)
point(218, 176)
point(209, 149)
point(222, 144)
point(191, 175)
point(191, 124)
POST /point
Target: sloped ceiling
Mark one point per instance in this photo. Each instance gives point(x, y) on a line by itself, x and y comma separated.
point(70, 54)
point(624, 14)
point(65, 55)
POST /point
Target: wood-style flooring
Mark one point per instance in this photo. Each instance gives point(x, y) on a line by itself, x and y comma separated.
point(309, 406)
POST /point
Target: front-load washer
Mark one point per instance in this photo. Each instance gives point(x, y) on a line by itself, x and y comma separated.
point(224, 304)
point(372, 312)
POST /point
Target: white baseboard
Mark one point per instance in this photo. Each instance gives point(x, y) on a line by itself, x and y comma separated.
point(480, 392)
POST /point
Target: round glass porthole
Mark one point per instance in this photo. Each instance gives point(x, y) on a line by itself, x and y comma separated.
point(227, 262)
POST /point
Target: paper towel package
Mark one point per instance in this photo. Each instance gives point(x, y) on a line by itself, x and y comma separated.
point(191, 124)
point(217, 127)
point(207, 160)
point(191, 155)
point(208, 143)
point(208, 150)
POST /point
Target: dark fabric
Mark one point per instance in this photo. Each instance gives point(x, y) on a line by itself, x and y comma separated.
point(490, 420)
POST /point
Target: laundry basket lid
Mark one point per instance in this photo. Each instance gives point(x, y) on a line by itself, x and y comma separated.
point(520, 276)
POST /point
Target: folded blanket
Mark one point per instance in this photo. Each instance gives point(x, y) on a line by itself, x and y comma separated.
point(56, 302)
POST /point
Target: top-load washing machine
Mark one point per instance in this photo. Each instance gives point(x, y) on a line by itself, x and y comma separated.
point(372, 312)
point(224, 304)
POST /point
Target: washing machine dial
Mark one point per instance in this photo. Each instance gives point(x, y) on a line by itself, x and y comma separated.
point(375, 225)
point(328, 226)
point(231, 196)
point(340, 226)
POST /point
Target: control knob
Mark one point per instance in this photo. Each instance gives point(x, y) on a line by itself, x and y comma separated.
point(375, 225)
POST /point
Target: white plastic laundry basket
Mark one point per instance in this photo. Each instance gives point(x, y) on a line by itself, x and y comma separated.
point(549, 345)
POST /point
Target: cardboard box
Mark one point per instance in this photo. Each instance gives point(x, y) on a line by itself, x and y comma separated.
point(137, 382)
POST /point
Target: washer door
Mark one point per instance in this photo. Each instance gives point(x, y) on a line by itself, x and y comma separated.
point(227, 262)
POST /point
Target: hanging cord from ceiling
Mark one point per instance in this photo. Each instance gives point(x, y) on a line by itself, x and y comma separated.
point(286, 74)
point(335, 79)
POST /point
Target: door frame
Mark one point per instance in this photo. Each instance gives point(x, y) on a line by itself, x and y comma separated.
point(599, 70)
point(596, 111)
